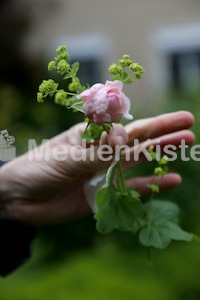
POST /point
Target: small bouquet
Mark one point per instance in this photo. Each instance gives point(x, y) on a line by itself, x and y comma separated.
point(115, 206)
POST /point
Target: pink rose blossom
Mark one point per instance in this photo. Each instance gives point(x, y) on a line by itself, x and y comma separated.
point(106, 103)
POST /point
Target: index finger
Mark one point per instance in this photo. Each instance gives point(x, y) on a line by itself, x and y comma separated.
point(149, 128)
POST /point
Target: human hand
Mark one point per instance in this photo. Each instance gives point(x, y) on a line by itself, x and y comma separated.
point(51, 191)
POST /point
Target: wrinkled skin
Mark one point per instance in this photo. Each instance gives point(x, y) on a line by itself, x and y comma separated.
point(44, 192)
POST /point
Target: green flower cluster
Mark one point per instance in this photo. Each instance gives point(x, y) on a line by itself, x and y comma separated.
point(161, 169)
point(60, 62)
point(46, 88)
point(62, 66)
point(68, 71)
point(50, 88)
point(119, 73)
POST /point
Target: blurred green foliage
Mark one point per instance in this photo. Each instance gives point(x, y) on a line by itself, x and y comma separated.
point(187, 195)
point(71, 261)
point(109, 272)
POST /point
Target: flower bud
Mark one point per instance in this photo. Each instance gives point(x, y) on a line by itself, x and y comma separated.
point(125, 61)
point(61, 49)
point(60, 97)
point(48, 87)
point(115, 69)
point(40, 97)
point(73, 85)
point(63, 66)
point(52, 66)
point(158, 171)
point(137, 69)
point(122, 62)
point(164, 160)
point(126, 56)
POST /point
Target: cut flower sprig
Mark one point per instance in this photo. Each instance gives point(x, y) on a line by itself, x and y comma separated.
point(61, 65)
point(118, 207)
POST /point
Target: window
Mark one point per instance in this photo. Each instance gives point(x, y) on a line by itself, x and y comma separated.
point(178, 55)
point(184, 68)
point(89, 70)
point(91, 50)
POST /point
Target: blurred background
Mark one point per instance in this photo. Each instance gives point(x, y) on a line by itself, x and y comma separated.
point(72, 261)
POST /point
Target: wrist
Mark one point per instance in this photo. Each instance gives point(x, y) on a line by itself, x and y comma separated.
point(4, 198)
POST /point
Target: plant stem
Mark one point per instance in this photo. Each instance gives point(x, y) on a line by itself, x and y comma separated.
point(121, 178)
point(71, 94)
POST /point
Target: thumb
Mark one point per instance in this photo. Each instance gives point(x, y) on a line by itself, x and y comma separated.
point(117, 136)
point(103, 154)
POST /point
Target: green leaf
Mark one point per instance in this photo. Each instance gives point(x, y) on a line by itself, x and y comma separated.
point(93, 131)
point(75, 104)
point(126, 78)
point(161, 225)
point(133, 193)
point(116, 210)
point(74, 68)
point(117, 77)
point(67, 76)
